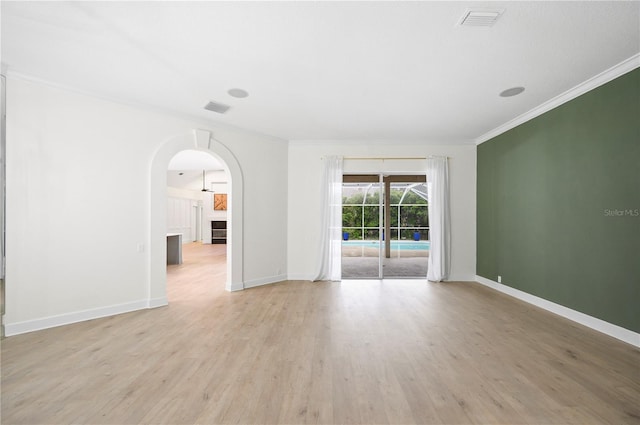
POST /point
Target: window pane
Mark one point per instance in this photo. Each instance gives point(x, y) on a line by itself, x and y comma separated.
point(372, 234)
point(371, 216)
point(394, 216)
point(414, 215)
point(351, 216)
point(373, 196)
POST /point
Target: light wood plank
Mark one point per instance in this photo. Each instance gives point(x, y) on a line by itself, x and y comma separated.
point(396, 352)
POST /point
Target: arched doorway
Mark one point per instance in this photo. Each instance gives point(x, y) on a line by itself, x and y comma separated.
point(203, 141)
point(196, 195)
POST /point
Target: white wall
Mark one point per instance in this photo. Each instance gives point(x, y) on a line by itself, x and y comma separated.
point(219, 185)
point(305, 173)
point(181, 218)
point(264, 168)
point(78, 203)
point(176, 192)
point(80, 211)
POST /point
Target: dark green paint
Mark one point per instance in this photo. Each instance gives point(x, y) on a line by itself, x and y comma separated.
point(544, 189)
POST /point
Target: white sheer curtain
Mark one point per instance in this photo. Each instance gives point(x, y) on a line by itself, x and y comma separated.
point(331, 220)
point(439, 219)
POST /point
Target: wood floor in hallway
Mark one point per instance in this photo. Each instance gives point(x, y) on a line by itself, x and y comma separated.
point(360, 352)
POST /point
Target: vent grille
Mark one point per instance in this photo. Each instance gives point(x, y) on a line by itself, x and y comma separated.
point(220, 108)
point(480, 18)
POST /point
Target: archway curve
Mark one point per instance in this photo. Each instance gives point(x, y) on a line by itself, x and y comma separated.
point(203, 141)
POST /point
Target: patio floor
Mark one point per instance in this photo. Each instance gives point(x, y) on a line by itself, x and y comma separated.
point(362, 262)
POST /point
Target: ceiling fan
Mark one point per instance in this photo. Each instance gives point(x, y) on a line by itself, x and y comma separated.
point(204, 189)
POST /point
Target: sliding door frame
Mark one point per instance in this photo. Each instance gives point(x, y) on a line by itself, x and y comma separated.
point(384, 205)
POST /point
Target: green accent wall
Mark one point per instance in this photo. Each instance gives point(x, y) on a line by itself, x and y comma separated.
point(558, 204)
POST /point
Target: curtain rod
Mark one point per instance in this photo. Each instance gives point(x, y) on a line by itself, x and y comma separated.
point(393, 158)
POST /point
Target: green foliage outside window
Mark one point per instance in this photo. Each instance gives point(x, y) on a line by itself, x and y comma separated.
point(356, 215)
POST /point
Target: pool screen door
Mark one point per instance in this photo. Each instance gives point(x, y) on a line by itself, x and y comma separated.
point(385, 227)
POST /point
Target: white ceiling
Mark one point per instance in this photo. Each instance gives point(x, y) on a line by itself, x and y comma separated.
point(323, 70)
point(195, 170)
point(194, 160)
point(192, 180)
point(186, 169)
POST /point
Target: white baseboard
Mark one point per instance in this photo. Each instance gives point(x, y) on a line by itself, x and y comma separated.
point(461, 278)
point(599, 325)
point(157, 302)
point(264, 281)
point(235, 286)
point(80, 316)
point(454, 278)
point(300, 276)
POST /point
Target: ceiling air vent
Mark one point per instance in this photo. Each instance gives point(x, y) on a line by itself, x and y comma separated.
point(480, 17)
point(220, 108)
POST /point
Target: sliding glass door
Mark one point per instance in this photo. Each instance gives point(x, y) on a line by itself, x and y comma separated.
point(407, 249)
point(361, 229)
point(385, 227)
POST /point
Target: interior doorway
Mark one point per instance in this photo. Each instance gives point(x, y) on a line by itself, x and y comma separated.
point(194, 180)
point(156, 247)
point(385, 227)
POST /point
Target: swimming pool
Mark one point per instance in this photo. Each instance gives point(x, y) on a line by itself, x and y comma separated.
point(395, 245)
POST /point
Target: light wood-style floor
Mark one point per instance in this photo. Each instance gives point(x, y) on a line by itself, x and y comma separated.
point(366, 352)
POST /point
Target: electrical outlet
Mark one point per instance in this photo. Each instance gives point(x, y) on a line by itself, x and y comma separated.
point(140, 247)
point(499, 279)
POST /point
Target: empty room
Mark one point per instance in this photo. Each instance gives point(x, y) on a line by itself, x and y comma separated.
point(291, 212)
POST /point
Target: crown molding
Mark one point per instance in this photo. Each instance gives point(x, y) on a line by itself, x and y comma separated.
point(604, 77)
point(381, 142)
